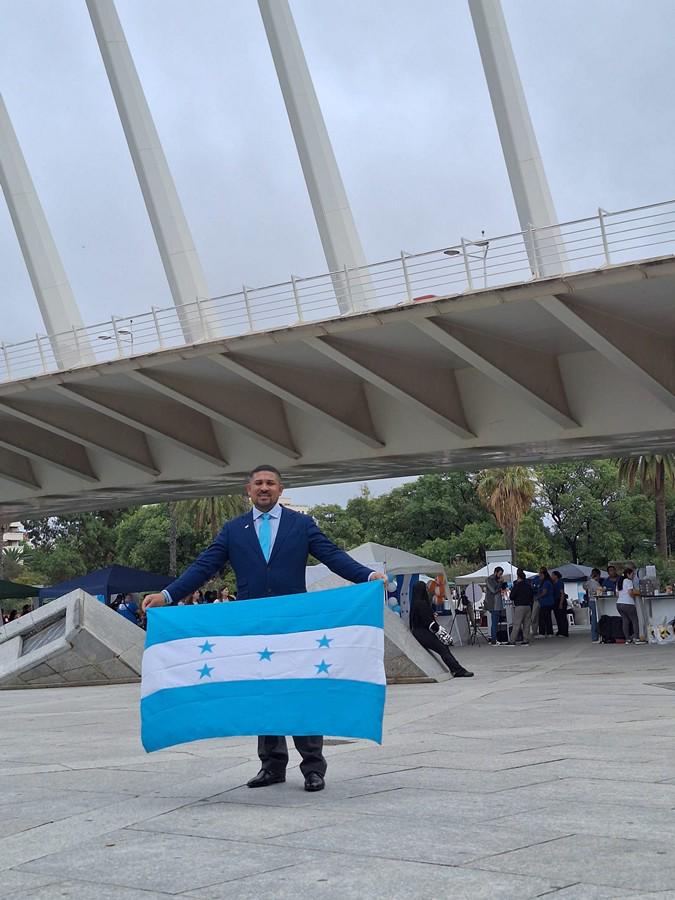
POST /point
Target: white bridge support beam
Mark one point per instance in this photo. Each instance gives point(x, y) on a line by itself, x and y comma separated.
point(183, 268)
point(647, 357)
point(334, 219)
point(52, 289)
point(524, 164)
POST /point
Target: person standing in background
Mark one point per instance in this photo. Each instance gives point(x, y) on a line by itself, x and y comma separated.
point(625, 603)
point(592, 587)
point(494, 601)
point(522, 597)
point(546, 597)
point(560, 604)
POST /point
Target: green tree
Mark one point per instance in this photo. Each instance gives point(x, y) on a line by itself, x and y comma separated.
point(60, 563)
point(508, 494)
point(576, 497)
point(211, 512)
point(653, 474)
point(11, 563)
point(533, 545)
point(339, 525)
point(142, 540)
point(433, 506)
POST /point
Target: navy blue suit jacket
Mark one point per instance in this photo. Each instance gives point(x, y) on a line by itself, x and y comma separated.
point(297, 536)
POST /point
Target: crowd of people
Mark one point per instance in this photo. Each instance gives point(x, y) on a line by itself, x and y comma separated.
point(539, 600)
point(16, 614)
point(127, 606)
point(536, 603)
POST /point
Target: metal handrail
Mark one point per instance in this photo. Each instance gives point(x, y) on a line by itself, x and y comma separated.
point(605, 239)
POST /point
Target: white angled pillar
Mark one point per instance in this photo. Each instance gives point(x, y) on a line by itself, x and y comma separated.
point(341, 244)
point(531, 192)
point(176, 247)
point(55, 298)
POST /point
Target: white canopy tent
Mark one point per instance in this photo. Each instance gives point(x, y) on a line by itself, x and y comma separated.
point(480, 576)
point(396, 562)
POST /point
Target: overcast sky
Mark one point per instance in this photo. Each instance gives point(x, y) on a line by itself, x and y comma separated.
point(405, 100)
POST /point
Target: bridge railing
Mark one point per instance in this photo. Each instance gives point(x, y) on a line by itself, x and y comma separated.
point(605, 239)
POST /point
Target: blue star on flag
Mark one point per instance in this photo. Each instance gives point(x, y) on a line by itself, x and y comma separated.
point(323, 666)
point(205, 671)
point(206, 647)
point(266, 654)
point(324, 641)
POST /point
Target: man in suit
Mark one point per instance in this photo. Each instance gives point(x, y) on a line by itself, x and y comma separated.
point(268, 547)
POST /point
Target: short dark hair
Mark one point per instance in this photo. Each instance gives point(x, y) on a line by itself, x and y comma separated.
point(264, 469)
point(557, 573)
point(498, 569)
point(595, 572)
point(520, 574)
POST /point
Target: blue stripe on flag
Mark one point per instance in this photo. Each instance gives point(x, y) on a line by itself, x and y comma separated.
point(298, 706)
point(272, 615)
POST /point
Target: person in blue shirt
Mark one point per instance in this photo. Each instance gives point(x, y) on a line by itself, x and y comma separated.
point(560, 604)
point(612, 579)
point(546, 598)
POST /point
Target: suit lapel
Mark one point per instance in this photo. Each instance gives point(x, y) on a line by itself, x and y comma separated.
point(285, 524)
point(248, 529)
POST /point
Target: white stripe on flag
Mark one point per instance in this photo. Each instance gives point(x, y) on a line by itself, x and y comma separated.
point(353, 652)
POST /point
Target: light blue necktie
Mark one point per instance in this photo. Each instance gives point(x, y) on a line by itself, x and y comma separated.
point(265, 535)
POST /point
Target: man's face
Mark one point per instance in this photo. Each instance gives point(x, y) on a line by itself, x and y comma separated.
point(264, 489)
point(611, 571)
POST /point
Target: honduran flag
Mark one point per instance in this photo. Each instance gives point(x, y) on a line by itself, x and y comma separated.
point(295, 665)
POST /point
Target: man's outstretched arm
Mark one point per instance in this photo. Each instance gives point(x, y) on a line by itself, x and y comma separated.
point(204, 567)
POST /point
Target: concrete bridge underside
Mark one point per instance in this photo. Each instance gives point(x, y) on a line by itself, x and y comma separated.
point(582, 365)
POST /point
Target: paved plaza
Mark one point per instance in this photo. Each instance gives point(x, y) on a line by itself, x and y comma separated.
point(550, 774)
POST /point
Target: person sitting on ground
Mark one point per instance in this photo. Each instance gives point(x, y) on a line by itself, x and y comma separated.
point(225, 595)
point(560, 604)
point(625, 603)
point(546, 598)
point(522, 597)
point(425, 628)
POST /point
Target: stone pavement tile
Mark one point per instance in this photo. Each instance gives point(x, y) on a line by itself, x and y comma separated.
point(613, 818)
point(456, 779)
point(619, 772)
point(12, 882)
point(450, 806)
point(640, 865)
point(336, 877)
point(83, 890)
point(292, 793)
point(163, 862)
point(119, 781)
point(441, 838)
point(585, 891)
point(22, 812)
point(240, 821)
point(586, 790)
point(66, 833)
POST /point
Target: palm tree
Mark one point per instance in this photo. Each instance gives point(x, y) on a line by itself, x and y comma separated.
point(508, 494)
point(211, 512)
point(652, 474)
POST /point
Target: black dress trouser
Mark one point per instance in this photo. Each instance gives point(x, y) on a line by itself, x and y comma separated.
point(273, 753)
point(545, 620)
point(562, 621)
point(430, 641)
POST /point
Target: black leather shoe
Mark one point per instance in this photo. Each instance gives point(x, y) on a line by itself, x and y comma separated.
point(264, 778)
point(463, 673)
point(314, 782)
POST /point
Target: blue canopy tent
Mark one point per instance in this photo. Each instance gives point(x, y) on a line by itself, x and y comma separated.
point(106, 583)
